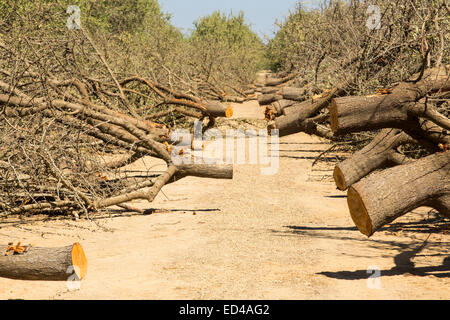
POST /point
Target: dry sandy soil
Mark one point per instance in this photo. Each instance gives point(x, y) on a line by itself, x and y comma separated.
point(285, 236)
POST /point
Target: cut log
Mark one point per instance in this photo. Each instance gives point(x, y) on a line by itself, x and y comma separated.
point(276, 108)
point(269, 90)
point(261, 77)
point(295, 117)
point(271, 82)
point(218, 171)
point(234, 99)
point(375, 155)
point(269, 98)
point(292, 93)
point(296, 108)
point(217, 109)
point(394, 110)
point(280, 105)
point(382, 197)
point(47, 264)
point(431, 132)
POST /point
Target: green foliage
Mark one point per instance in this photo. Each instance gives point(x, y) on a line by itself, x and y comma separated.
point(284, 47)
point(124, 15)
point(232, 31)
point(227, 43)
point(136, 37)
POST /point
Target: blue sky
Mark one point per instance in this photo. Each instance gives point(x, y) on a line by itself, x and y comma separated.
point(260, 14)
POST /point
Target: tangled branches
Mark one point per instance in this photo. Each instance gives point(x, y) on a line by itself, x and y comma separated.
point(69, 123)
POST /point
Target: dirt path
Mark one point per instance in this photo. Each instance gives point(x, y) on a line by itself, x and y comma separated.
point(287, 236)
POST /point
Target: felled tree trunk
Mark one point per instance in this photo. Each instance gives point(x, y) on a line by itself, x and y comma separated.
point(271, 82)
point(276, 108)
point(376, 154)
point(48, 264)
point(269, 90)
point(217, 109)
point(269, 98)
point(292, 122)
point(295, 118)
point(394, 110)
point(292, 93)
point(280, 105)
point(224, 171)
point(382, 197)
point(296, 108)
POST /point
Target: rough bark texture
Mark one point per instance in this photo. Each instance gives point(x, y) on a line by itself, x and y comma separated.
point(280, 105)
point(296, 108)
point(295, 119)
point(269, 98)
point(49, 264)
point(292, 93)
point(269, 90)
point(271, 82)
point(382, 197)
point(394, 110)
point(276, 108)
point(217, 109)
point(205, 171)
point(376, 154)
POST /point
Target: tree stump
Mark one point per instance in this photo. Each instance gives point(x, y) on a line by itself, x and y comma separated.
point(48, 264)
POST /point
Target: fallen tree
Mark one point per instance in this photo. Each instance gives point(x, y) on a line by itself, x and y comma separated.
point(406, 116)
point(271, 82)
point(271, 95)
point(336, 51)
point(382, 152)
point(377, 199)
point(304, 116)
point(379, 153)
point(293, 93)
point(266, 99)
point(56, 131)
point(382, 197)
point(276, 108)
point(393, 110)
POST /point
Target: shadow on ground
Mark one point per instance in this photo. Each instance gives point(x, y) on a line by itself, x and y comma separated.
point(403, 265)
point(406, 252)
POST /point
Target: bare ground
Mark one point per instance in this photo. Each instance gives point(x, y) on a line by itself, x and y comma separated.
point(286, 236)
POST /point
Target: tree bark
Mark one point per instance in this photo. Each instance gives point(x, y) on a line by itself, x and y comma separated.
point(280, 105)
point(205, 171)
point(276, 108)
point(382, 197)
point(296, 108)
point(217, 109)
point(394, 110)
point(49, 264)
point(294, 120)
point(271, 82)
point(269, 98)
point(376, 154)
point(269, 90)
point(292, 93)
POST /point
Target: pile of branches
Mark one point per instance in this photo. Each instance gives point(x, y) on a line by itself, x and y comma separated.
point(69, 124)
point(407, 115)
point(392, 83)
